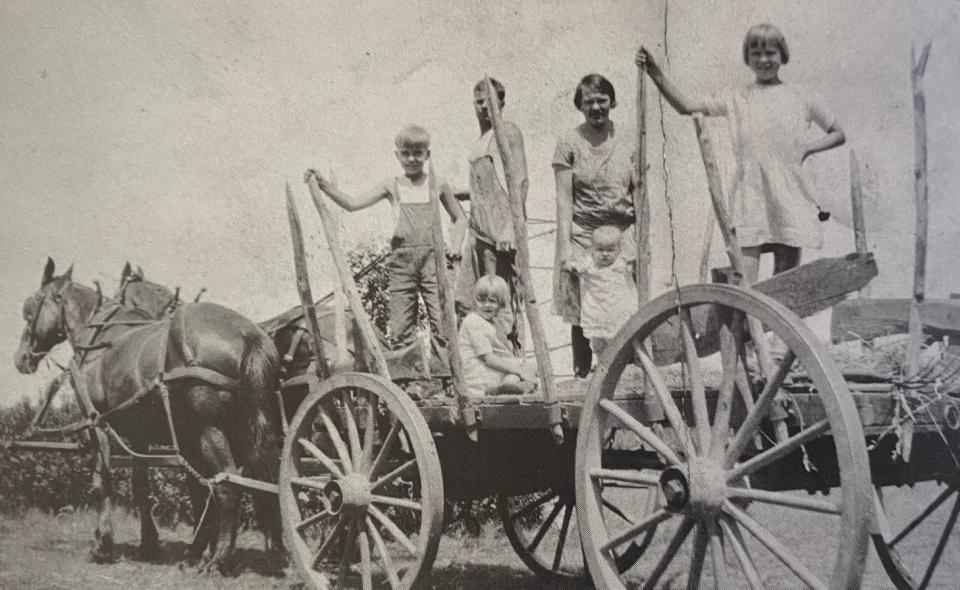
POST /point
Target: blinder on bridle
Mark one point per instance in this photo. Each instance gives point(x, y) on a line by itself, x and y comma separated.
point(59, 336)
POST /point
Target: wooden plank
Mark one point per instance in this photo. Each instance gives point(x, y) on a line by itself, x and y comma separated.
point(166, 461)
point(872, 318)
point(805, 290)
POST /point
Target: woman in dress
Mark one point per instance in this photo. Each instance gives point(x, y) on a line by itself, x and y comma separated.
point(595, 171)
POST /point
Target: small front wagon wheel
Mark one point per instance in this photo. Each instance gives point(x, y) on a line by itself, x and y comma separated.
point(745, 504)
point(361, 493)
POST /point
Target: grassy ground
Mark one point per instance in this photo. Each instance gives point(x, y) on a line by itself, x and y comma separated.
point(41, 551)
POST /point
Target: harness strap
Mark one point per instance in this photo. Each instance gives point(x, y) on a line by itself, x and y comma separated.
point(203, 374)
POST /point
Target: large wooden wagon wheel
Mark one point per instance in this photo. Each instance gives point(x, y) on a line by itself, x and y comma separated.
point(731, 513)
point(915, 532)
point(543, 530)
point(361, 493)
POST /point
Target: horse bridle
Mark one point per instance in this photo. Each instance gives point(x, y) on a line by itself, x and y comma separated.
point(61, 333)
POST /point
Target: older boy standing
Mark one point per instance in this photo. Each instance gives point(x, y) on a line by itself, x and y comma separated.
point(491, 225)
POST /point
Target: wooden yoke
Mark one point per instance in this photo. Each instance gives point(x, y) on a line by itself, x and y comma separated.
point(376, 360)
point(303, 288)
point(447, 306)
point(517, 191)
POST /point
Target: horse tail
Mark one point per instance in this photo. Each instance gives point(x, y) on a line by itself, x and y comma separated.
point(260, 371)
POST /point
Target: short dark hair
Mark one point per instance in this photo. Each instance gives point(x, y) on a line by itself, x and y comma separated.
point(597, 83)
point(765, 34)
point(481, 86)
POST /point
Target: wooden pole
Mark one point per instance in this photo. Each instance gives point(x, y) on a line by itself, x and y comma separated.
point(376, 361)
point(856, 203)
point(303, 288)
point(641, 202)
point(449, 313)
point(339, 299)
point(705, 247)
point(917, 69)
point(517, 191)
point(920, 190)
point(714, 183)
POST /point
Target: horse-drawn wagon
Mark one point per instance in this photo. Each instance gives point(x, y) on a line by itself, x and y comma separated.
point(692, 451)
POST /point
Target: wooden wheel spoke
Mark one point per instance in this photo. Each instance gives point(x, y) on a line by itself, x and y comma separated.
point(398, 502)
point(366, 563)
point(718, 555)
point(533, 505)
point(759, 410)
point(774, 546)
point(778, 451)
point(634, 531)
point(544, 527)
point(646, 434)
point(941, 543)
point(731, 341)
point(562, 540)
point(353, 433)
point(625, 476)
point(923, 515)
point(666, 401)
point(697, 558)
point(319, 455)
point(337, 440)
point(369, 434)
point(732, 533)
point(616, 510)
point(698, 395)
point(399, 471)
point(671, 551)
point(394, 530)
point(392, 576)
point(784, 499)
point(346, 552)
point(306, 482)
point(385, 449)
point(329, 542)
point(311, 520)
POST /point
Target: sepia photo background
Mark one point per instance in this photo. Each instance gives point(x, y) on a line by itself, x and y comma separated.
point(163, 133)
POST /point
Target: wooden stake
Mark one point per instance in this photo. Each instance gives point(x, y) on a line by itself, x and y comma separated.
point(856, 203)
point(920, 189)
point(641, 202)
point(368, 339)
point(447, 306)
point(303, 288)
point(917, 69)
point(517, 192)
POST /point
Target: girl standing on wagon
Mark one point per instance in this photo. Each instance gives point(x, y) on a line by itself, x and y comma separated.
point(773, 205)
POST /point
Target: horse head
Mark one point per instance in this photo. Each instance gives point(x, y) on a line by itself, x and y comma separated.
point(138, 293)
point(45, 315)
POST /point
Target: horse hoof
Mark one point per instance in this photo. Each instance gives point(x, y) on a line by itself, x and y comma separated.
point(148, 553)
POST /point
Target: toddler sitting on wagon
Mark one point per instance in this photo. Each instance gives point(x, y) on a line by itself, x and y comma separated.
point(489, 366)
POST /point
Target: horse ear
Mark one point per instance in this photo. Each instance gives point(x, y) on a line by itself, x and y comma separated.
point(69, 274)
point(125, 272)
point(47, 272)
point(139, 272)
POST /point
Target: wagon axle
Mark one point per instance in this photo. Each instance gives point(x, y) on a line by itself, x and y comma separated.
point(700, 487)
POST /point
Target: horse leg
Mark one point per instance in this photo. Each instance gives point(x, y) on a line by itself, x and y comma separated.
point(102, 550)
point(218, 455)
point(149, 538)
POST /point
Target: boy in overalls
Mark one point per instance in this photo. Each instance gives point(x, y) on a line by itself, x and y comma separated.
point(411, 269)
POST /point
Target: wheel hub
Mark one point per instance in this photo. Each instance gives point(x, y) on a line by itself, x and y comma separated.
point(348, 494)
point(699, 487)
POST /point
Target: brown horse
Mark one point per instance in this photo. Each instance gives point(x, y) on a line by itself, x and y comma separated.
point(218, 370)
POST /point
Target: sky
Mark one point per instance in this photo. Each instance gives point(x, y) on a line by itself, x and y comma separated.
point(164, 133)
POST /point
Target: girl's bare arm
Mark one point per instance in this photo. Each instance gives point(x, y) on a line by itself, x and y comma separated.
point(459, 229)
point(834, 137)
point(503, 363)
point(682, 103)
